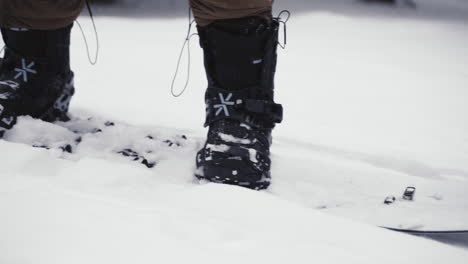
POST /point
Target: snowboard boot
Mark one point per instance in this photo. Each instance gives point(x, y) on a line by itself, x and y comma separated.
point(240, 62)
point(35, 75)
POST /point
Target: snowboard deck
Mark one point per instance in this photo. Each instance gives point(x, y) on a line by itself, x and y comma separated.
point(453, 237)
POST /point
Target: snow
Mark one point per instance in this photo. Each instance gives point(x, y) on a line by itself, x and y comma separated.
point(133, 217)
point(229, 138)
point(375, 101)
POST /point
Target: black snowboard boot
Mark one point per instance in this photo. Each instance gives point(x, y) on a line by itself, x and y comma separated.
point(240, 62)
point(35, 75)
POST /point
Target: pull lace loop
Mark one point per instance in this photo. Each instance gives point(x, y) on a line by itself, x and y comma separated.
point(283, 18)
point(96, 35)
point(185, 46)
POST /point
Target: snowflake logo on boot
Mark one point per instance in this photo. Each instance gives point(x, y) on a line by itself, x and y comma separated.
point(25, 70)
point(225, 102)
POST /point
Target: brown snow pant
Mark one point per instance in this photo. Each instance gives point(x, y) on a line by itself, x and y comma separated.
point(53, 14)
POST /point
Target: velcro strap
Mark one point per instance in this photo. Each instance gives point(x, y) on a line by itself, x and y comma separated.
point(239, 105)
point(273, 110)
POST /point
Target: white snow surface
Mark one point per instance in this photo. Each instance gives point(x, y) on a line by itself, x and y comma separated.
point(375, 100)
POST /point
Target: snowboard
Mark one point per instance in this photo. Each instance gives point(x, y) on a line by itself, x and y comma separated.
point(453, 237)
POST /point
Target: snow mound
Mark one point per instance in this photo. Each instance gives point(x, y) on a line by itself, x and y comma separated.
point(95, 211)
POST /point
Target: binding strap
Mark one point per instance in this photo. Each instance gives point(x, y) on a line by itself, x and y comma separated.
point(242, 106)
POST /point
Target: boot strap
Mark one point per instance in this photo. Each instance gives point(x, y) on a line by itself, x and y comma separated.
point(242, 106)
point(7, 119)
